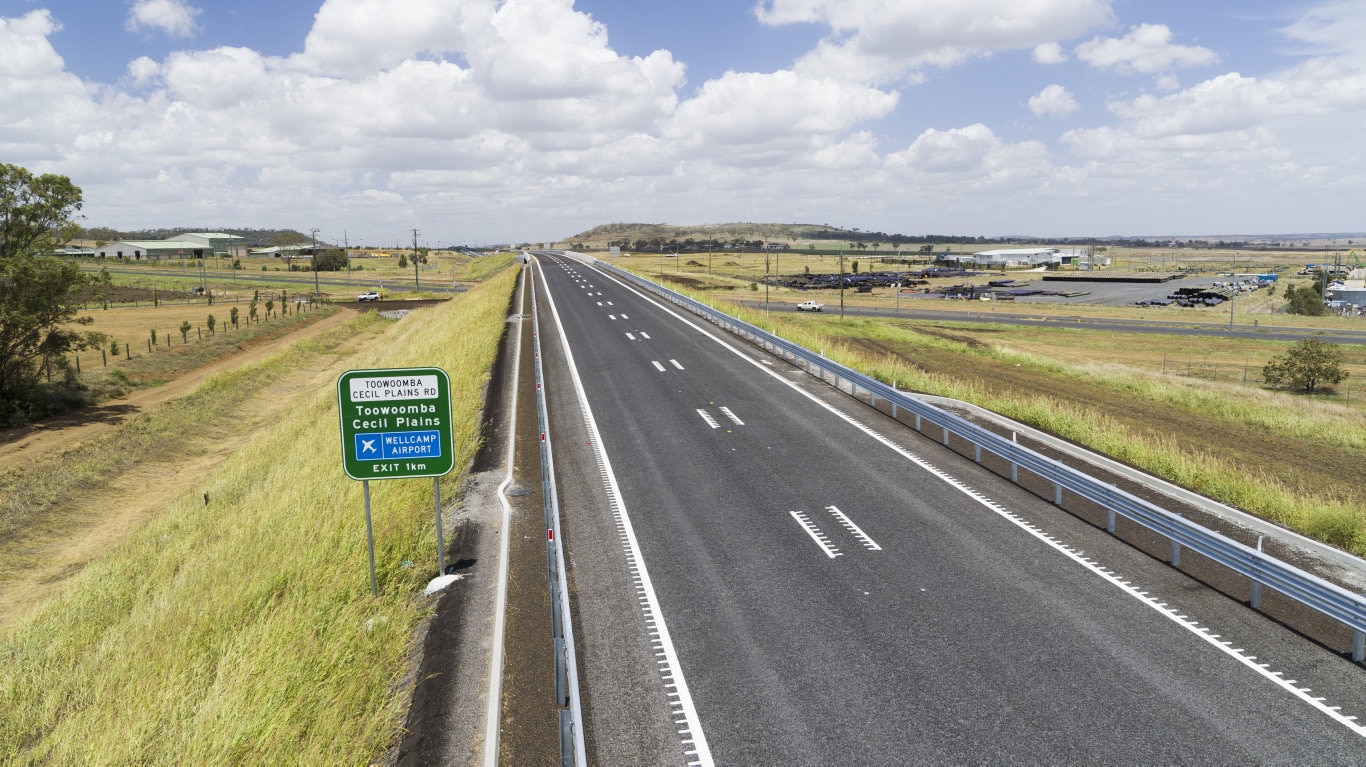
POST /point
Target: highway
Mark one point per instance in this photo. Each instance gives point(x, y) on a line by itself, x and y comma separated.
point(765, 572)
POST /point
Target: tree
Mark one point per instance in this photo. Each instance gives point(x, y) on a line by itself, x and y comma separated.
point(330, 260)
point(39, 294)
point(1307, 365)
point(185, 328)
point(1304, 300)
point(232, 316)
point(35, 212)
point(212, 323)
point(402, 261)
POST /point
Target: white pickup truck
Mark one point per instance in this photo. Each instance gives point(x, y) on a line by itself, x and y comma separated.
point(810, 306)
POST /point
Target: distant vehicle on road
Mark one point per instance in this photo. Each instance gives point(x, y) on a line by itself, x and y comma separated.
point(368, 296)
point(810, 306)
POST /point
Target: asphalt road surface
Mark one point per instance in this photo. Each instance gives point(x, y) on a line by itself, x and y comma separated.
point(765, 572)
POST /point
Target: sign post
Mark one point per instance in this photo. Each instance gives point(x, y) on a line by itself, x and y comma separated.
point(396, 424)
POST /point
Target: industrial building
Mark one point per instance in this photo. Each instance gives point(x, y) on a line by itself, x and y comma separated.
point(1028, 257)
point(188, 245)
point(1351, 291)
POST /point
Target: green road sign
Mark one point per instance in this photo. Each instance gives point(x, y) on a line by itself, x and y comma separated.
point(395, 423)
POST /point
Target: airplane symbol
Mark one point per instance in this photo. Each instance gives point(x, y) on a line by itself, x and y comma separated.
point(367, 446)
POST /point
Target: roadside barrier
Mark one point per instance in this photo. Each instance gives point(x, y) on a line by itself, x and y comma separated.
point(1263, 570)
point(562, 628)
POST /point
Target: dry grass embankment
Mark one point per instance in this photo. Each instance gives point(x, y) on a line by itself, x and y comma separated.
point(243, 630)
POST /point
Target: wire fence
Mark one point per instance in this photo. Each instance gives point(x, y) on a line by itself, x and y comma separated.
point(1249, 372)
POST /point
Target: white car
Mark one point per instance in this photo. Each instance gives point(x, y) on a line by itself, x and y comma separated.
point(370, 296)
point(809, 306)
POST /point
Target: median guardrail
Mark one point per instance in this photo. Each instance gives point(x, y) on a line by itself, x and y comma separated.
point(1262, 569)
point(572, 746)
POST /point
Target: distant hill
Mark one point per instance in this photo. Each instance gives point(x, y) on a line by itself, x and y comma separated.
point(646, 236)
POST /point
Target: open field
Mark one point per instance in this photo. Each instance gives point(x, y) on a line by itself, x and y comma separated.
point(1148, 400)
point(211, 601)
point(443, 267)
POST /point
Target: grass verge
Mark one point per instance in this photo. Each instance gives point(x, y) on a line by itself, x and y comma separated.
point(243, 630)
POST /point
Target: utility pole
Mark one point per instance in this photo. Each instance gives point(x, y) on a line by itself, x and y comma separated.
point(417, 279)
point(1233, 295)
point(316, 293)
point(841, 286)
point(346, 254)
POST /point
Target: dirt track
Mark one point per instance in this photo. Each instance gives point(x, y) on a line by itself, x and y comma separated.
point(28, 441)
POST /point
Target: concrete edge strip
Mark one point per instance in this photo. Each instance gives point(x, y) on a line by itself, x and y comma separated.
point(494, 700)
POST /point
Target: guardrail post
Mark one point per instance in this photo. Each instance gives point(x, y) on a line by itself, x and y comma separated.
point(977, 453)
point(917, 422)
point(1014, 467)
point(561, 674)
point(1256, 601)
point(946, 435)
point(893, 401)
point(1358, 646)
point(1109, 514)
point(566, 739)
point(1176, 554)
point(1057, 494)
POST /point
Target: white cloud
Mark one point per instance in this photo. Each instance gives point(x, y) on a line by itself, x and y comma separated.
point(1148, 48)
point(359, 37)
point(1049, 53)
point(972, 155)
point(173, 17)
point(750, 109)
point(1334, 29)
point(1053, 101)
point(43, 105)
point(882, 40)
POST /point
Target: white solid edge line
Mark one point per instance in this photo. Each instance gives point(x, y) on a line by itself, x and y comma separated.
point(494, 711)
point(672, 669)
point(1108, 576)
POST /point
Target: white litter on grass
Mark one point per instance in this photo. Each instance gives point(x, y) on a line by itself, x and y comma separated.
point(440, 583)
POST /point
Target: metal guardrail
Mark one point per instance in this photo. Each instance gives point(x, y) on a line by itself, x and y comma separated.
point(572, 751)
point(1260, 568)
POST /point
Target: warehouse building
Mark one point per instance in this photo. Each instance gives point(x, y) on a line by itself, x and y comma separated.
point(137, 250)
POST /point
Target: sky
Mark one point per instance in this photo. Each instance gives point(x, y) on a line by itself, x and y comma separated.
point(489, 121)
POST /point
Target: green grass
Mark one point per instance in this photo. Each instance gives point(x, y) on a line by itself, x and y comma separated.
point(243, 631)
